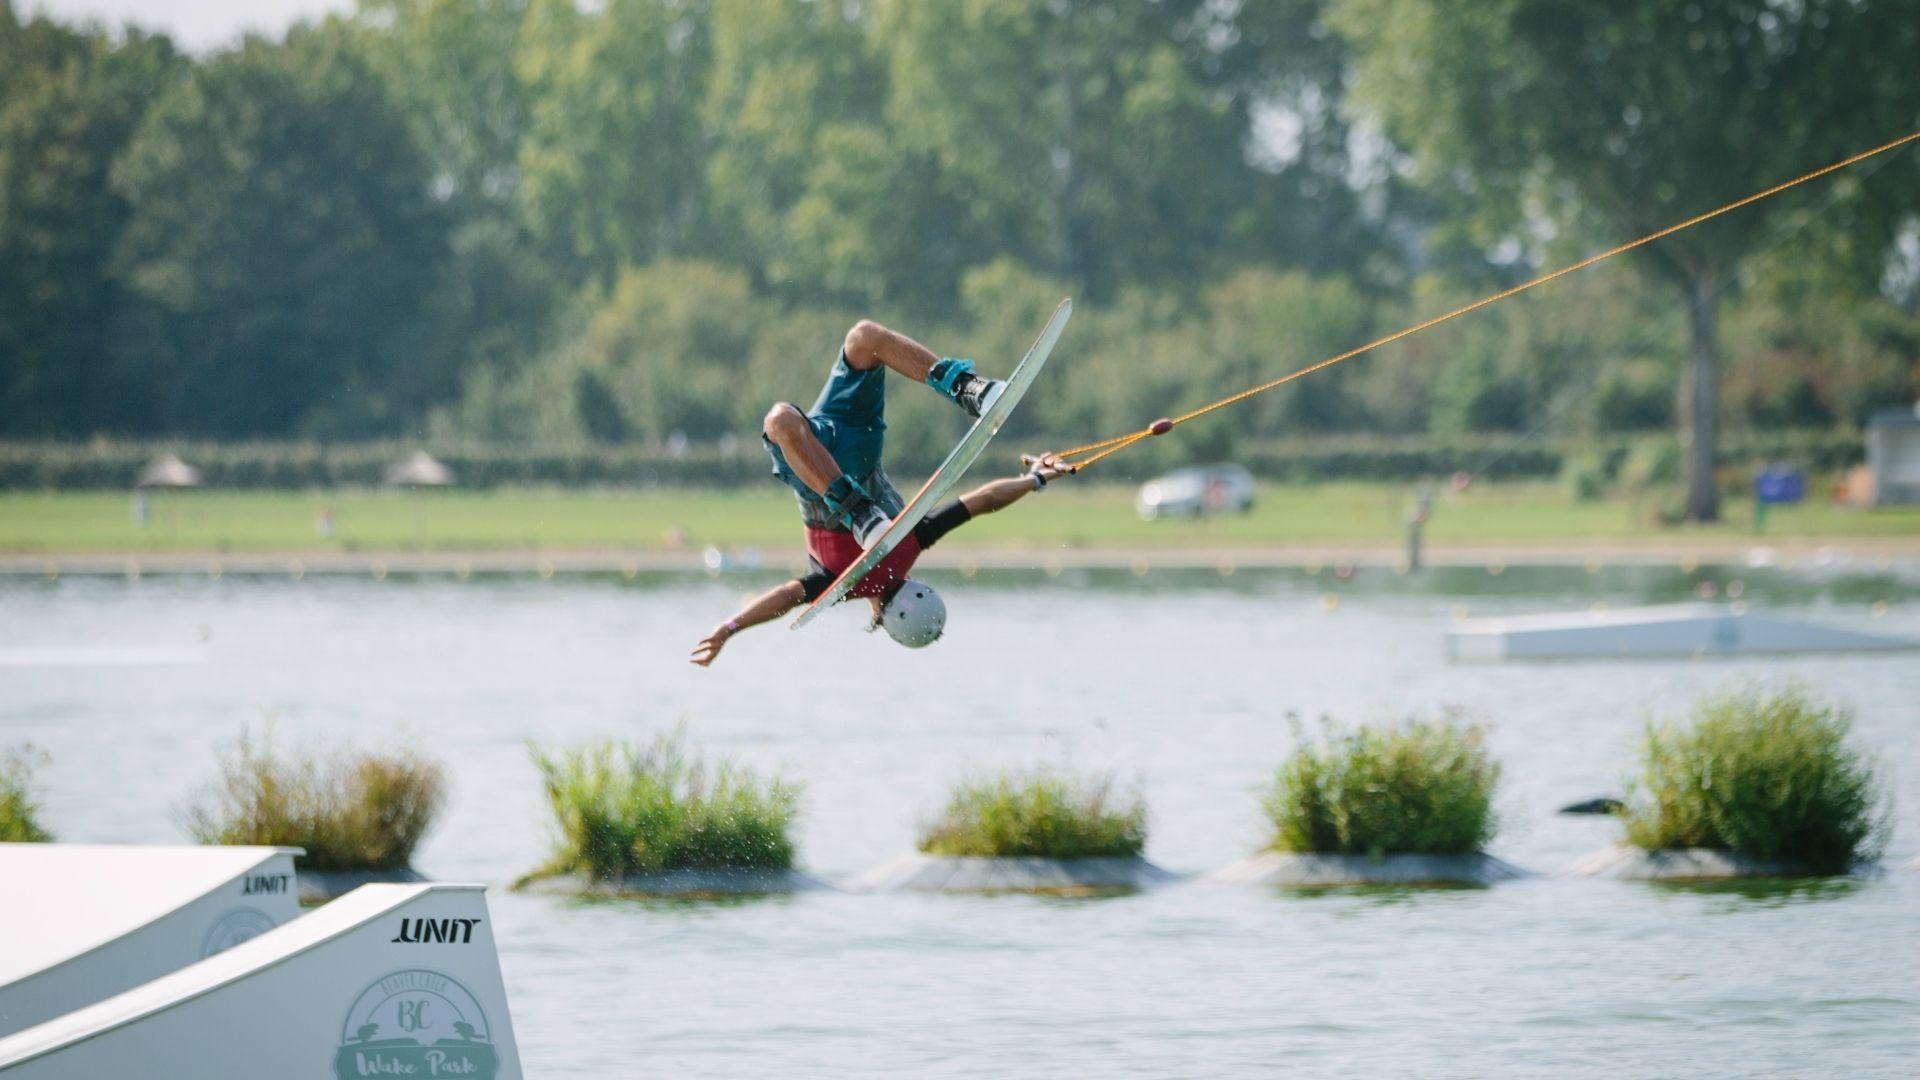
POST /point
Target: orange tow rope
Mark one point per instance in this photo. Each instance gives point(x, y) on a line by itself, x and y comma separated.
point(1096, 451)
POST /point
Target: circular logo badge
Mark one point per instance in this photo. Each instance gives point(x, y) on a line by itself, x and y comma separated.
point(234, 927)
point(416, 1023)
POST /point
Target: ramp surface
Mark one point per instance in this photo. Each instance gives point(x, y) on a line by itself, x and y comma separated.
point(390, 980)
point(83, 922)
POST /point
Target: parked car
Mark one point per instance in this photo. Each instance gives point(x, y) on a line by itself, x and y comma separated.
point(1196, 492)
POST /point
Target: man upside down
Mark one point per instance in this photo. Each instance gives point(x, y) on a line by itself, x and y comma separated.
point(830, 456)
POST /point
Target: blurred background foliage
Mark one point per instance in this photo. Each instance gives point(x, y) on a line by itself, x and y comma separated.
point(564, 223)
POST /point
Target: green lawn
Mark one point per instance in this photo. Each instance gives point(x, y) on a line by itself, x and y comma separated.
point(222, 521)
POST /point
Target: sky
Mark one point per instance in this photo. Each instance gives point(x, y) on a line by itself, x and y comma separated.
point(193, 24)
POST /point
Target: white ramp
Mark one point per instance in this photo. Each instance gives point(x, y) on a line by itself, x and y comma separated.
point(389, 980)
point(1677, 630)
point(82, 922)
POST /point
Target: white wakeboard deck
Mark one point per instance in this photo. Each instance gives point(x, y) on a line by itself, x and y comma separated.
point(389, 980)
point(82, 922)
point(964, 454)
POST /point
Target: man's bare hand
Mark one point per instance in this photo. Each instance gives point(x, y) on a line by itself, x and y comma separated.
point(709, 647)
point(1048, 466)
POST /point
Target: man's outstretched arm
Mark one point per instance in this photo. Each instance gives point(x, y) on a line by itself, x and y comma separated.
point(766, 607)
point(1000, 494)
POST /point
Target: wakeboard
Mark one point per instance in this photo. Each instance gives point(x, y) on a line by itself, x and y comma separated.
point(963, 455)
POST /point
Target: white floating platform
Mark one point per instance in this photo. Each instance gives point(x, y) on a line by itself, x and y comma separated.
point(1676, 630)
point(1301, 870)
point(685, 883)
point(390, 980)
point(83, 922)
point(948, 873)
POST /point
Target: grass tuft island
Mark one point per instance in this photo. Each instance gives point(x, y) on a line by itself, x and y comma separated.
point(1760, 783)
point(20, 798)
point(1401, 804)
point(655, 819)
point(1038, 815)
point(1031, 831)
point(359, 814)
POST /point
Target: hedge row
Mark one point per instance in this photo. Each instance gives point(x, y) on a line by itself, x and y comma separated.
point(1514, 458)
point(283, 465)
point(276, 465)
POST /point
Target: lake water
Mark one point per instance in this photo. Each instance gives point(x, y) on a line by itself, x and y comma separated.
point(1183, 683)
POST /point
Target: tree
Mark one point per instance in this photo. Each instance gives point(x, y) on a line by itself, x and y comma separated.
point(1083, 137)
point(781, 74)
point(69, 101)
point(1598, 115)
point(881, 224)
point(281, 242)
point(1323, 197)
point(612, 161)
point(450, 64)
point(667, 348)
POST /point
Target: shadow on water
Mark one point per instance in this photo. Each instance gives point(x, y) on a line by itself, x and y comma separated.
point(1744, 894)
point(1374, 897)
point(692, 903)
point(1077, 896)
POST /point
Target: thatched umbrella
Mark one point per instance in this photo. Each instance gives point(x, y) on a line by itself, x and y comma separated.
point(419, 471)
point(169, 472)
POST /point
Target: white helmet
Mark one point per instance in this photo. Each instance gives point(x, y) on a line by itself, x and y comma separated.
point(914, 615)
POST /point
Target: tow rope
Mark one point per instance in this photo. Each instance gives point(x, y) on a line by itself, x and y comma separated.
point(1080, 457)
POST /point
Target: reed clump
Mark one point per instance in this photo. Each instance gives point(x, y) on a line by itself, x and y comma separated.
point(351, 809)
point(1770, 774)
point(644, 808)
point(1038, 814)
point(1415, 787)
point(20, 797)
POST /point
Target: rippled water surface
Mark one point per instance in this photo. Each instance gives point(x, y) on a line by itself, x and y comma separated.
point(1184, 683)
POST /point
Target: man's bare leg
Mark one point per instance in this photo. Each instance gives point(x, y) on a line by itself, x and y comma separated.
point(869, 345)
point(788, 429)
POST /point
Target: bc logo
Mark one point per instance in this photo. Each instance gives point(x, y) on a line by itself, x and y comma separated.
point(416, 1023)
point(233, 928)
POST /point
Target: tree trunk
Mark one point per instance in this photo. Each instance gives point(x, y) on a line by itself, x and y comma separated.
point(1700, 437)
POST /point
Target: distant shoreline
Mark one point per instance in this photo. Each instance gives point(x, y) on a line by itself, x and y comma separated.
point(1873, 553)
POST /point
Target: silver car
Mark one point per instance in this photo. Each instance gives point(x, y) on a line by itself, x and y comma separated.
point(1199, 491)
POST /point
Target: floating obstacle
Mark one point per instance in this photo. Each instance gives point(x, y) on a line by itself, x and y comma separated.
point(715, 881)
point(82, 922)
point(949, 873)
point(1625, 863)
point(1676, 630)
point(1303, 870)
point(390, 980)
